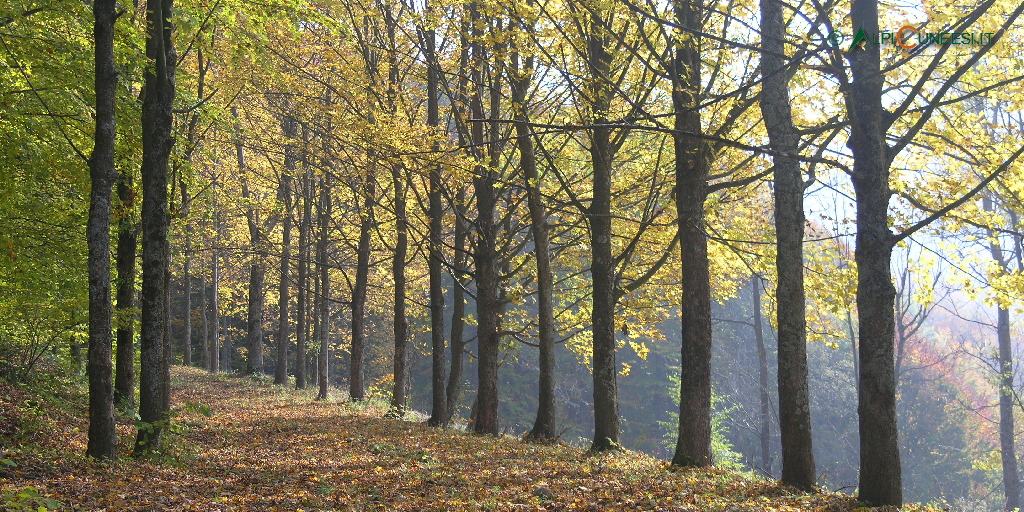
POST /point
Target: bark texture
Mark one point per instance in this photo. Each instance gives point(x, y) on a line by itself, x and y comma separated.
point(302, 298)
point(157, 117)
point(401, 323)
point(794, 396)
point(366, 222)
point(257, 264)
point(545, 426)
point(602, 265)
point(440, 412)
point(127, 249)
point(284, 288)
point(1007, 448)
point(102, 434)
point(693, 447)
point(880, 471)
point(323, 298)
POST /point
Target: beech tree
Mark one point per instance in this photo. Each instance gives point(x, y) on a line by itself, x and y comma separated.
point(102, 436)
point(794, 401)
point(157, 117)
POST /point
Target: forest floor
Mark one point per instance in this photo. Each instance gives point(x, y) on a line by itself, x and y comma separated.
point(240, 444)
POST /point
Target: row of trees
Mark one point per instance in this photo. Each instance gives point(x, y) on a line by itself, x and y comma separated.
point(536, 173)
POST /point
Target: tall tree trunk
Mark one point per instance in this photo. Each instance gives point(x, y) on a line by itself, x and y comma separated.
point(257, 258)
point(880, 473)
point(460, 255)
point(215, 293)
point(205, 315)
point(102, 434)
point(693, 447)
point(458, 344)
point(157, 117)
point(1007, 450)
point(165, 368)
point(440, 413)
point(366, 220)
point(186, 204)
point(401, 324)
point(602, 265)
point(186, 336)
point(127, 248)
point(765, 433)
point(323, 297)
point(1008, 454)
point(794, 396)
point(485, 256)
point(283, 289)
point(302, 300)
point(544, 427)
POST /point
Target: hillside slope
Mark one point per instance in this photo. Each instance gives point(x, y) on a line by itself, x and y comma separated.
point(247, 445)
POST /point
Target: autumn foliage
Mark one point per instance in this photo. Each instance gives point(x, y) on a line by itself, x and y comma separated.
point(246, 445)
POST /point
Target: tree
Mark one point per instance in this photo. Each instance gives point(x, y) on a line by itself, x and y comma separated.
point(257, 258)
point(880, 473)
point(764, 427)
point(602, 265)
point(102, 435)
point(692, 170)
point(288, 126)
point(127, 248)
point(1007, 449)
point(545, 425)
point(440, 410)
point(157, 117)
point(302, 298)
point(323, 297)
point(794, 397)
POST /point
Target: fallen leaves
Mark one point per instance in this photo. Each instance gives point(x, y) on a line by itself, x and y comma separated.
point(255, 447)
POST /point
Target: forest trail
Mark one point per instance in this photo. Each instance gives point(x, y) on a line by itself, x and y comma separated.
point(247, 445)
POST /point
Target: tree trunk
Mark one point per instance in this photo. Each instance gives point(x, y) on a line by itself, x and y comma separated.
point(458, 344)
point(186, 204)
point(157, 118)
point(127, 247)
point(401, 324)
point(366, 220)
point(215, 294)
point(693, 447)
point(544, 427)
point(880, 474)
point(165, 368)
point(186, 337)
point(1007, 450)
point(257, 258)
point(765, 433)
point(283, 294)
point(204, 312)
point(602, 265)
point(794, 396)
point(102, 434)
point(254, 324)
point(440, 413)
point(302, 300)
point(1008, 454)
point(485, 257)
point(323, 297)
